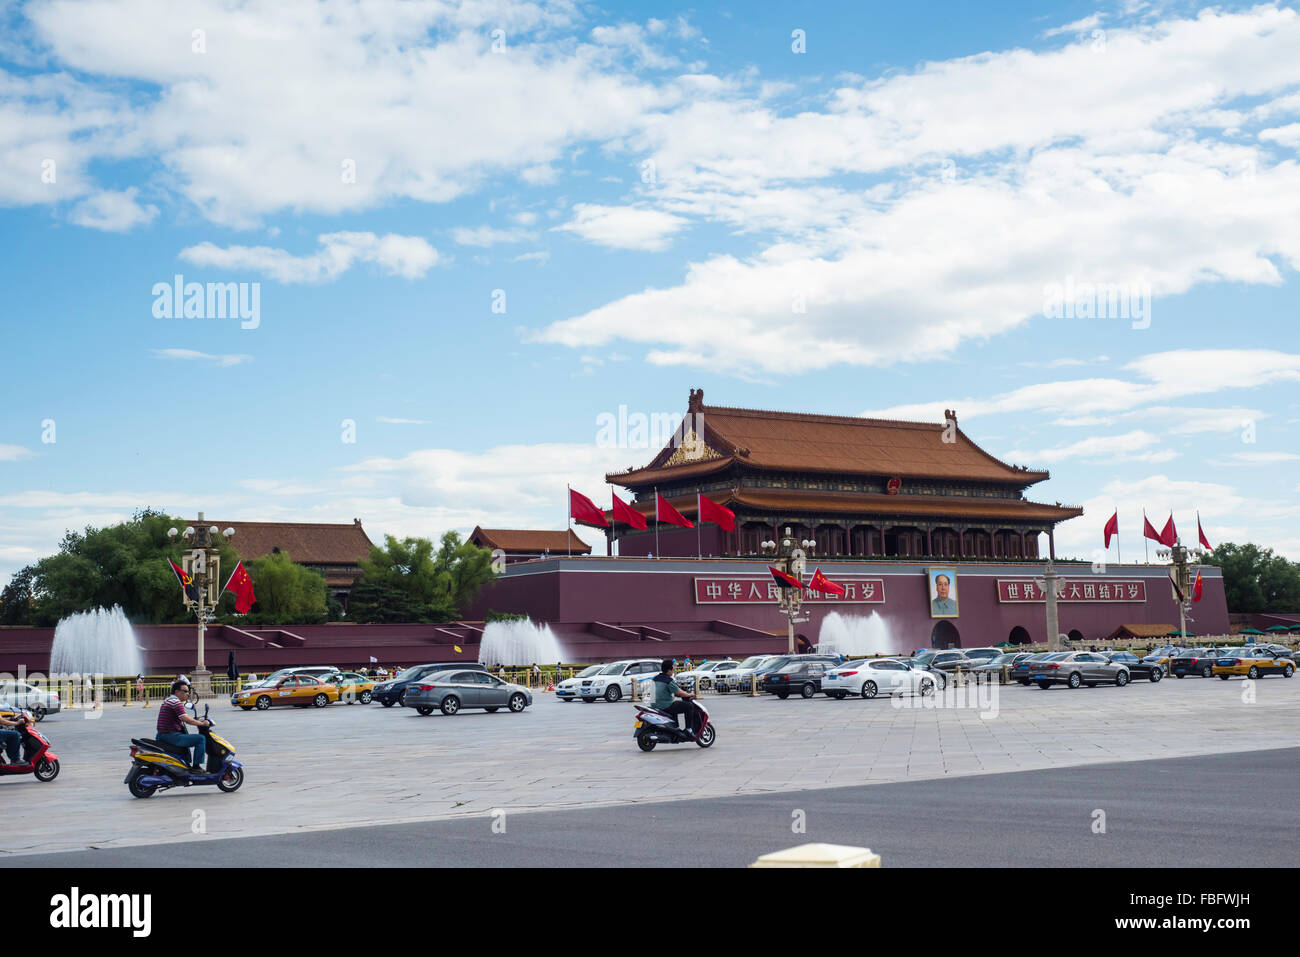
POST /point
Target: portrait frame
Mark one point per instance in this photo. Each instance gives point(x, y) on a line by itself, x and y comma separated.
point(936, 610)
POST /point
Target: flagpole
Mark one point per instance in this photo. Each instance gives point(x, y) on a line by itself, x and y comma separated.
point(699, 549)
point(1146, 557)
point(568, 525)
point(1118, 551)
point(656, 488)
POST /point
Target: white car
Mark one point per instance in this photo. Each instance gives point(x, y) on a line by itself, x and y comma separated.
point(738, 678)
point(567, 689)
point(706, 674)
point(614, 680)
point(20, 694)
point(869, 677)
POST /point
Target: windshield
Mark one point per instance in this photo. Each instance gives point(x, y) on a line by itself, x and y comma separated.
point(708, 666)
point(588, 671)
point(925, 657)
point(776, 664)
point(752, 661)
point(857, 663)
point(615, 669)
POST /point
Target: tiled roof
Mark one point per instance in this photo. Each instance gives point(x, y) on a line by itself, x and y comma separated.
point(308, 543)
point(1142, 631)
point(802, 442)
point(528, 540)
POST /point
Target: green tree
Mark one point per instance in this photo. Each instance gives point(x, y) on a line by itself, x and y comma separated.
point(17, 601)
point(408, 580)
point(1256, 580)
point(286, 594)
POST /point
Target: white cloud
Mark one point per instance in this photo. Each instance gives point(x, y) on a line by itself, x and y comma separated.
point(623, 227)
point(390, 421)
point(1131, 446)
point(1265, 458)
point(114, 212)
point(488, 236)
point(1085, 25)
point(13, 453)
point(192, 355)
point(407, 256)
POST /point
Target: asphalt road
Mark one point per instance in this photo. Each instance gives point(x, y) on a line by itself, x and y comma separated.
point(1177, 812)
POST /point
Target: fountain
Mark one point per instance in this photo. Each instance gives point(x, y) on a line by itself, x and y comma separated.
point(98, 642)
point(519, 643)
point(854, 635)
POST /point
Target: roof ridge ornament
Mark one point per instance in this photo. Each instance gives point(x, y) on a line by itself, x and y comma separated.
point(695, 403)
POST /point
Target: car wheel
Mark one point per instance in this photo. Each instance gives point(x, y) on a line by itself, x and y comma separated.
point(1223, 677)
point(644, 741)
point(869, 689)
point(424, 709)
point(1288, 671)
point(321, 700)
point(613, 694)
point(401, 698)
point(1044, 685)
point(231, 780)
point(783, 695)
point(1253, 672)
point(1074, 680)
point(588, 700)
point(388, 702)
point(1121, 679)
point(137, 789)
point(263, 702)
point(518, 702)
point(1207, 671)
point(926, 687)
point(1156, 674)
point(245, 707)
point(38, 712)
point(808, 690)
point(47, 770)
point(706, 737)
point(450, 704)
point(367, 697)
point(1024, 681)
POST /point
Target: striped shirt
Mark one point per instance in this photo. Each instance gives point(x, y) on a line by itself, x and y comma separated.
point(169, 715)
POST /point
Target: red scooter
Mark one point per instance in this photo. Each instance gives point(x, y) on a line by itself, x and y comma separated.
point(37, 757)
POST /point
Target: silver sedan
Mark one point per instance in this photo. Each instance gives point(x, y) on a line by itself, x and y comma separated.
point(1077, 668)
point(453, 691)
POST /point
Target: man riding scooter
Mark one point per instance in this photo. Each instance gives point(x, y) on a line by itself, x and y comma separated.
point(172, 720)
point(669, 697)
point(10, 740)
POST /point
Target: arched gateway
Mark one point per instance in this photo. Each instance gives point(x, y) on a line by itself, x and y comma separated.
point(944, 635)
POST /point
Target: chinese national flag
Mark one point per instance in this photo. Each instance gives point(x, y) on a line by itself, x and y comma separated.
point(187, 583)
point(710, 511)
point(823, 584)
point(627, 514)
point(1169, 534)
point(1196, 588)
point(1112, 527)
point(583, 509)
point(1200, 533)
point(242, 586)
point(784, 580)
point(666, 513)
point(1149, 531)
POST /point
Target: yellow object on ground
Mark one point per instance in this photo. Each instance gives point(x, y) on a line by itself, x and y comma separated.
point(820, 855)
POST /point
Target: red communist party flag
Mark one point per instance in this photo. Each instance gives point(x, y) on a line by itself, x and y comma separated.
point(187, 583)
point(1149, 531)
point(241, 584)
point(1169, 534)
point(1196, 588)
point(784, 580)
point(823, 584)
point(710, 511)
point(627, 514)
point(1112, 527)
point(666, 513)
point(583, 509)
point(1200, 533)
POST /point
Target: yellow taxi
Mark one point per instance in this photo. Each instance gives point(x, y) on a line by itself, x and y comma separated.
point(353, 688)
point(301, 691)
point(1252, 663)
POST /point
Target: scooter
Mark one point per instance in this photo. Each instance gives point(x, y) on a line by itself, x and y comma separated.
point(37, 758)
point(156, 766)
point(653, 727)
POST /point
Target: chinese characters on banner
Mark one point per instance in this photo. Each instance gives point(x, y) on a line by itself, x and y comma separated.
point(1028, 589)
point(742, 591)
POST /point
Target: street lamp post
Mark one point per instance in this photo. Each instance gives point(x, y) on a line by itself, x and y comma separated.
point(203, 564)
point(790, 555)
point(1181, 559)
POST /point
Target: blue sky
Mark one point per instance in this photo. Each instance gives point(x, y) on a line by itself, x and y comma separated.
point(667, 198)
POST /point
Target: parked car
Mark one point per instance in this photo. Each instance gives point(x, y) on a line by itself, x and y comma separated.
point(567, 690)
point(945, 659)
point(614, 680)
point(1137, 667)
point(737, 679)
point(1194, 661)
point(301, 691)
point(1250, 663)
point(1075, 668)
point(22, 695)
point(994, 666)
point(393, 691)
point(352, 686)
point(802, 673)
point(868, 677)
point(706, 674)
point(454, 691)
point(1023, 667)
point(983, 655)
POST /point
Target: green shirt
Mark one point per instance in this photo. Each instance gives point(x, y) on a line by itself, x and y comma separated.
point(665, 690)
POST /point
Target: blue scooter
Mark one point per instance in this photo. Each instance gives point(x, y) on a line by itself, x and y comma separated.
point(156, 766)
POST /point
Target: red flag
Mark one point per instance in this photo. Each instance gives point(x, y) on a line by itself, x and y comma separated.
point(1200, 533)
point(187, 583)
point(241, 584)
point(711, 511)
point(627, 514)
point(1169, 534)
point(1112, 527)
point(784, 580)
point(1149, 531)
point(666, 513)
point(823, 584)
point(583, 509)
point(1196, 588)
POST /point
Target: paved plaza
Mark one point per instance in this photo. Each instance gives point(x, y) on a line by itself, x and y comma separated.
point(351, 766)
